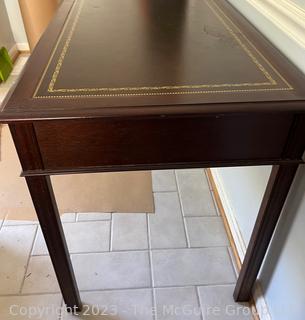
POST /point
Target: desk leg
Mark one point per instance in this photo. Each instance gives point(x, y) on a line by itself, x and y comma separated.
point(44, 202)
point(276, 192)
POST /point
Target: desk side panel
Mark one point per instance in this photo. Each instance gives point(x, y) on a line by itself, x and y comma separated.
point(161, 141)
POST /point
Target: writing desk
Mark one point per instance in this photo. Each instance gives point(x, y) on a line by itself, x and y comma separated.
point(154, 84)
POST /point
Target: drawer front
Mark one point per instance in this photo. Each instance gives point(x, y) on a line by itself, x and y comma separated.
point(68, 144)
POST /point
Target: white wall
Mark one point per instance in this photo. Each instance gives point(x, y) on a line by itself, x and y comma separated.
point(16, 22)
point(12, 7)
point(282, 276)
point(6, 36)
point(244, 189)
point(300, 2)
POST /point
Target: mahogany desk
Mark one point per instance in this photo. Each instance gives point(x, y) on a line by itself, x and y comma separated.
point(154, 84)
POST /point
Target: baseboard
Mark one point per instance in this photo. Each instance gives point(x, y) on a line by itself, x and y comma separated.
point(281, 21)
point(286, 15)
point(229, 214)
point(13, 52)
point(23, 47)
point(17, 49)
point(260, 303)
point(235, 237)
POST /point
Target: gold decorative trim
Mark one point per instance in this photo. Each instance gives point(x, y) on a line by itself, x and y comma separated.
point(233, 34)
point(162, 88)
point(254, 47)
point(65, 49)
point(67, 44)
point(271, 82)
point(160, 93)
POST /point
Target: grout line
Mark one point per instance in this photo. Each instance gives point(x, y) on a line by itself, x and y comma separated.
point(28, 260)
point(150, 257)
point(60, 316)
point(123, 289)
point(208, 180)
point(24, 223)
point(35, 238)
point(151, 268)
point(19, 224)
point(214, 203)
point(181, 209)
point(211, 191)
point(205, 216)
point(93, 220)
point(154, 303)
point(84, 221)
point(111, 232)
point(1, 224)
point(30, 294)
point(165, 191)
point(135, 250)
point(164, 287)
point(235, 269)
point(199, 302)
point(148, 233)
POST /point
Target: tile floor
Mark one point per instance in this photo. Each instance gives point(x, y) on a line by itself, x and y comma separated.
point(167, 265)
point(171, 265)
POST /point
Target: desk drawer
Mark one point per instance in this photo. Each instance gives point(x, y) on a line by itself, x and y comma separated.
point(68, 144)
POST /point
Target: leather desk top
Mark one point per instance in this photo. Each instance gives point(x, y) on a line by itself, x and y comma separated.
point(131, 57)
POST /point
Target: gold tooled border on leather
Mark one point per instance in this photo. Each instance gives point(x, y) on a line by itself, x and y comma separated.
point(183, 89)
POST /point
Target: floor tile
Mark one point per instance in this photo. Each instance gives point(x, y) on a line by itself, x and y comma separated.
point(93, 216)
point(184, 267)
point(19, 222)
point(125, 276)
point(133, 304)
point(129, 231)
point(206, 232)
point(217, 303)
point(81, 237)
point(196, 197)
point(68, 217)
point(15, 248)
point(40, 276)
point(44, 307)
point(112, 270)
point(234, 261)
point(166, 226)
point(177, 304)
point(164, 180)
point(39, 247)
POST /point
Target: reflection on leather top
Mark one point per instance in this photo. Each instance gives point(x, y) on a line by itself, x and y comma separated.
point(143, 48)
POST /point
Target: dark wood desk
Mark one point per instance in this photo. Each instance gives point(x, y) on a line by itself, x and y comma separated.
point(154, 84)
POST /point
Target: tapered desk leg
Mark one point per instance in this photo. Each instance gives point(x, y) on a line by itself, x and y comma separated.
point(44, 201)
point(276, 192)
